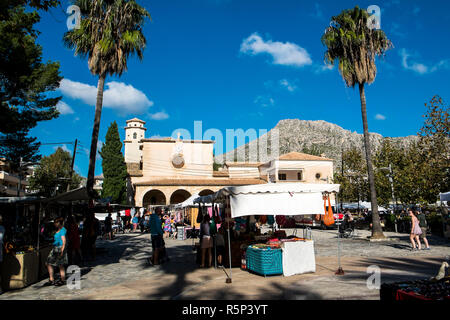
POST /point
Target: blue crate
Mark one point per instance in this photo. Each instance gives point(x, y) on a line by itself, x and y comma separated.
point(264, 261)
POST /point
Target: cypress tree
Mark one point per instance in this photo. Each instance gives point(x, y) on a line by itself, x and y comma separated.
point(114, 167)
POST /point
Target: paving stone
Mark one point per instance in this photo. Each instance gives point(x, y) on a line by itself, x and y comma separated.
point(121, 271)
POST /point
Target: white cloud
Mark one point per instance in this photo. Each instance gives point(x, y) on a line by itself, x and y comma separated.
point(421, 68)
point(320, 68)
point(117, 95)
point(289, 86)
point(64, 108)
point(287, 53)
point(264, 101)
point(162, 115)
point(380, 117)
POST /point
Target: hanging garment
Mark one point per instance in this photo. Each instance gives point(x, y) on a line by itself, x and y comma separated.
point(281, 220)
point(329, 218)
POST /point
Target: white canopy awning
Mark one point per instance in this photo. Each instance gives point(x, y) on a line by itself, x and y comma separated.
point(189, 202)
point(368, 205)
point(444, 196)
point(273, 198)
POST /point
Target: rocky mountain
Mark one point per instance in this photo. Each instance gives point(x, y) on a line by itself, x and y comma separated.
point(313, 137)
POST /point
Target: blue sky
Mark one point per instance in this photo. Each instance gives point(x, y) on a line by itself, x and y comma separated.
point(248, 64)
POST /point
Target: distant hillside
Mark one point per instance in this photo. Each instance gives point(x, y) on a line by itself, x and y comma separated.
point(317, 137)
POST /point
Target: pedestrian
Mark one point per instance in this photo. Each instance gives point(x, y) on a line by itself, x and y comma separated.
point(89, 237)
point(73, 237)
point(108, 226)
point(206, 242)
point(2, 235)
point(167, 226)
point(135, 221)
point(423, 226)
point(220, 246)
point(58, 254)
point(156, 233)
point(415, 231)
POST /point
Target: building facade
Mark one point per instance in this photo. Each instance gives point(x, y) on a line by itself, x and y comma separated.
point(168, 171)
point(10, 180)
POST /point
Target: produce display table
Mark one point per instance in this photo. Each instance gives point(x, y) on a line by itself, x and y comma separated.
point(404, 295)
point(264, 261)
point(416, 290)
point(298, 257)
point(20, 270)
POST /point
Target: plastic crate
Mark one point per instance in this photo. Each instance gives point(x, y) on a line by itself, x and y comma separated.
point(264, 261)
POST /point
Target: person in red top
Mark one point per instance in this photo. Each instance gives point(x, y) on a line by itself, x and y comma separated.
point(73, 235)
point(127, 219)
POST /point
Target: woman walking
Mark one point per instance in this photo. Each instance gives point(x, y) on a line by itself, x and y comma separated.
point(415, 231)
point(167, 226)
point(135, 221)
point(206, 242)
point(58, 254)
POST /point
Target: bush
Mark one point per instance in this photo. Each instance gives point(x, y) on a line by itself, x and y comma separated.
point(434, 222)
point(389, 221)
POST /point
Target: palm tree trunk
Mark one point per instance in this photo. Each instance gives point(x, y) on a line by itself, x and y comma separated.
point(377, 231)
point(94, 140)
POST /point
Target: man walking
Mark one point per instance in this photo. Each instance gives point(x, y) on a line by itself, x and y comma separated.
point(156, 236)
point(423, 227)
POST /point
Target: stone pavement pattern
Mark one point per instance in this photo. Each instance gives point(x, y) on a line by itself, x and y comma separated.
point(121, 272)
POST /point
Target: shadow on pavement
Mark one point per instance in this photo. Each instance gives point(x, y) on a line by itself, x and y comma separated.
point(393, 270)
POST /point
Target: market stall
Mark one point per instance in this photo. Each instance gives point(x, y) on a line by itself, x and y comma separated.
point(20, 265)
point(271, 255)
point(419, 290)
point(189, 213)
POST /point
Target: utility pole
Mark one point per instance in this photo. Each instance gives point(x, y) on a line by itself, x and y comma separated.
point(73, 162)
point(394, 205)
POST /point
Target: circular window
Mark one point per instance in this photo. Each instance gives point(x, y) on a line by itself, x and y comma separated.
point(318, 175)
point(178, 161)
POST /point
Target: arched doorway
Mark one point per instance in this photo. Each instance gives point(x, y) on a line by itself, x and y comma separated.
point(154, 197)
point(179, 196)
point(205, 192)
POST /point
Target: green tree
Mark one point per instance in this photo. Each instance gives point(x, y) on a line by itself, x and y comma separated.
point(53, 174)
point(387, 155)
point(352, 176)
point(114, 167)
point(25, 81)
point(17, 146)
point(434, 145)
point(110, 31)
point(355, 46)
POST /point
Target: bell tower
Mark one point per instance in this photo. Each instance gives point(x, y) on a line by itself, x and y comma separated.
point(134, 133)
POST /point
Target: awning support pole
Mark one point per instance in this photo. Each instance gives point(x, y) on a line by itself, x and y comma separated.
point(229, 279)
point(340, 271)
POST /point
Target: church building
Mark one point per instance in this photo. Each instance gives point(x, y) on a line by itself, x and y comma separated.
point(165, 171)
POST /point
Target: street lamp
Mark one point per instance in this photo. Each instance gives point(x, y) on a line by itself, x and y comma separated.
point(390, 176)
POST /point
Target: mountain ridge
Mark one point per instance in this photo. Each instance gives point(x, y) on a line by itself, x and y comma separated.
point(312, 136)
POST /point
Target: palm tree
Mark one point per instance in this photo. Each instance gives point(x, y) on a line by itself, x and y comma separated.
point(110, 31)
point(350, 41)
